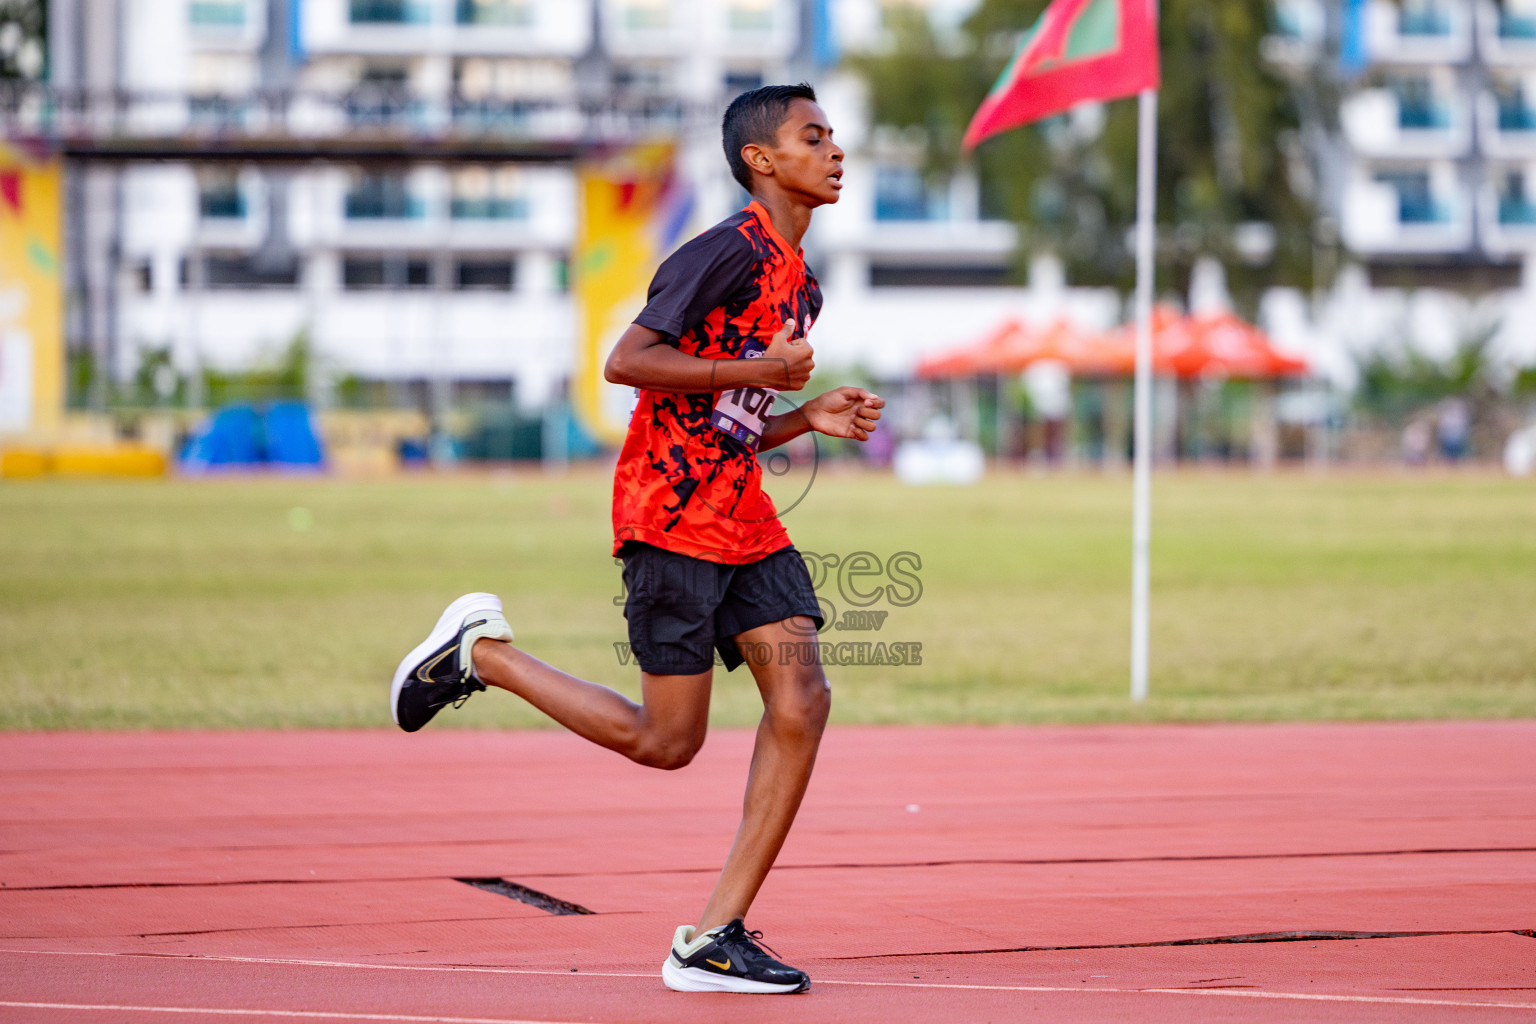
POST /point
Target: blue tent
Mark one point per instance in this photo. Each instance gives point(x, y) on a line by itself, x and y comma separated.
point(238, 437)
point(232, 437)
point(291, 440)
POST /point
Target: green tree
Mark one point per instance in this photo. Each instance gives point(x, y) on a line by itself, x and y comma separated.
point(1396, 383)
point(23, 30)
point(1226, 125)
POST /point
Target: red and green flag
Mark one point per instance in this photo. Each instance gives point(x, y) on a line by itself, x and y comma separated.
point(1079, 50)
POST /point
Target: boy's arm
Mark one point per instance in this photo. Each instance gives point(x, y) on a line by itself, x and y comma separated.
point(643, 359)
point(842, 412)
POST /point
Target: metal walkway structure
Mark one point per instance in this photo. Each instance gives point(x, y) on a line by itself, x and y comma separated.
point(361, 126)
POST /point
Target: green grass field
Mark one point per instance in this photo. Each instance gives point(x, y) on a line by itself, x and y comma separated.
point(271, 602)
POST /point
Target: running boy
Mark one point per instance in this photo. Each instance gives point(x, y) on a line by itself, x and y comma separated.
point(707, 565)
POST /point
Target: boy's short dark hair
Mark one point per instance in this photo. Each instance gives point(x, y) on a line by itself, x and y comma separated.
point(756, 116)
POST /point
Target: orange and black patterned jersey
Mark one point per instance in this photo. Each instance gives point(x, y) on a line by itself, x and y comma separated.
point(681, 484)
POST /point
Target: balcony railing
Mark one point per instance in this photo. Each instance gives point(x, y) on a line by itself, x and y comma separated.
point(1412, 209)
point(386, 201)
point(1423, 116)
point(646, 15)
point(383, 108)
point(83, 121)
point(1516, 210)
point(1404, 123)
point(218, 14)
point(221, 205)
point(751, 17)
point(1506, 217)
point(508, 13)
point(488, 209)
point(1515, 115)
point(1516, 26)
point(1417, 202)
point(1424, 21)
point(1417, 33)
point(389, 12)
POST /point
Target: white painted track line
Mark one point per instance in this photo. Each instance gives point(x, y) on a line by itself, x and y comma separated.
point(226, 1011)
point(1316, 997)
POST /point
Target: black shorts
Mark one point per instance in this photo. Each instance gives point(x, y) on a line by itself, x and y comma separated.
point(680, 607)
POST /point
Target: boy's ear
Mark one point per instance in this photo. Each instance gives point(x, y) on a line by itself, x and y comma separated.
point(757, 158)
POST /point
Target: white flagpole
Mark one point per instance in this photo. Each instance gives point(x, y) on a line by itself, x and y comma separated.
point(1141, 517)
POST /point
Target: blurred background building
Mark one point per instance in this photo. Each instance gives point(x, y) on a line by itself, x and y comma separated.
point(383, 199)
point(391, 179)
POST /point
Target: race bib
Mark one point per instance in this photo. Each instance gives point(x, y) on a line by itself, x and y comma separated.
point(743, 412)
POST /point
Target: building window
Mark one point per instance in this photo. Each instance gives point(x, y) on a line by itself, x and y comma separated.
point(389, 12)
point(239, 271)
point(382, 96)
point(644, 77)
point(900, 194)
point(738, 82)
point(484, 275)
point(900, 275)
point(216, 13)
point(217, 113)
point(1424, 18)
point(219, 197)
point(1417, 106)
point(1415, 199)
point(392, 271)
point(1287, 20)
point(1515, 114)
point(1517, 19)
point(494, 12)
point(383, 197)
point(512, 80)
point(751, 15)
point(482, 194)
point(647, 15)
point(1515, 206)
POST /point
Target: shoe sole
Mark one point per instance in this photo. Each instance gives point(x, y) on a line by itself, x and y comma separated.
point(691, 979)
point(448, 626)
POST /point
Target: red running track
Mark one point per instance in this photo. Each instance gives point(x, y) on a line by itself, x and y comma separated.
point(964, 874)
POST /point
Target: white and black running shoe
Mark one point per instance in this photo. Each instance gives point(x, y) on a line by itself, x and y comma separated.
point(439, 671)
point(727, 959)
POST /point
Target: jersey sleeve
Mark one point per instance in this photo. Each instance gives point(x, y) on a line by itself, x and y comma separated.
point(697, 278)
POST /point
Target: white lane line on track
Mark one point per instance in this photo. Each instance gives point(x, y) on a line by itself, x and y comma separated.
point(226, 1011)
point(1318, 997)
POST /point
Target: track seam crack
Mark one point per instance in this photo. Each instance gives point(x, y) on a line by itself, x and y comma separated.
point(523, 894)
point(851, 866)
point(1305, 935)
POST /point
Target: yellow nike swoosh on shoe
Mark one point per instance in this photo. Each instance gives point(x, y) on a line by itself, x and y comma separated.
point(424, 672)
point(715, 963)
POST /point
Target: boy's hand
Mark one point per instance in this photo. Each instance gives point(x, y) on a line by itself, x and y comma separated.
point(844, 412)
point(791, 360)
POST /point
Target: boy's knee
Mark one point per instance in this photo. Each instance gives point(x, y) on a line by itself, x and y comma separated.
point(805, 706)
point(819, 700)
point(668, 753)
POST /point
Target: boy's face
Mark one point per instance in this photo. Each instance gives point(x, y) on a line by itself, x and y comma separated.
point(805, 161)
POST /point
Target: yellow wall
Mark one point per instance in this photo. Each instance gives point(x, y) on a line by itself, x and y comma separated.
point(31, 292)
point(618, 246)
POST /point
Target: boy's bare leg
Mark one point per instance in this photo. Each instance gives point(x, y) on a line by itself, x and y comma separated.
point(663, 732)
point(796, 701)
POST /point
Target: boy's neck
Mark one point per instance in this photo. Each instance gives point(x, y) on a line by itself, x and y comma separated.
point(789, 218)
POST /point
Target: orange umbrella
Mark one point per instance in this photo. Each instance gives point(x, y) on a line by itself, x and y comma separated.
point(1194, 346)
point(1058, 342)
point(1230, 346)
point(978, 357)
point(1171, 335)
point(1011, 346)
